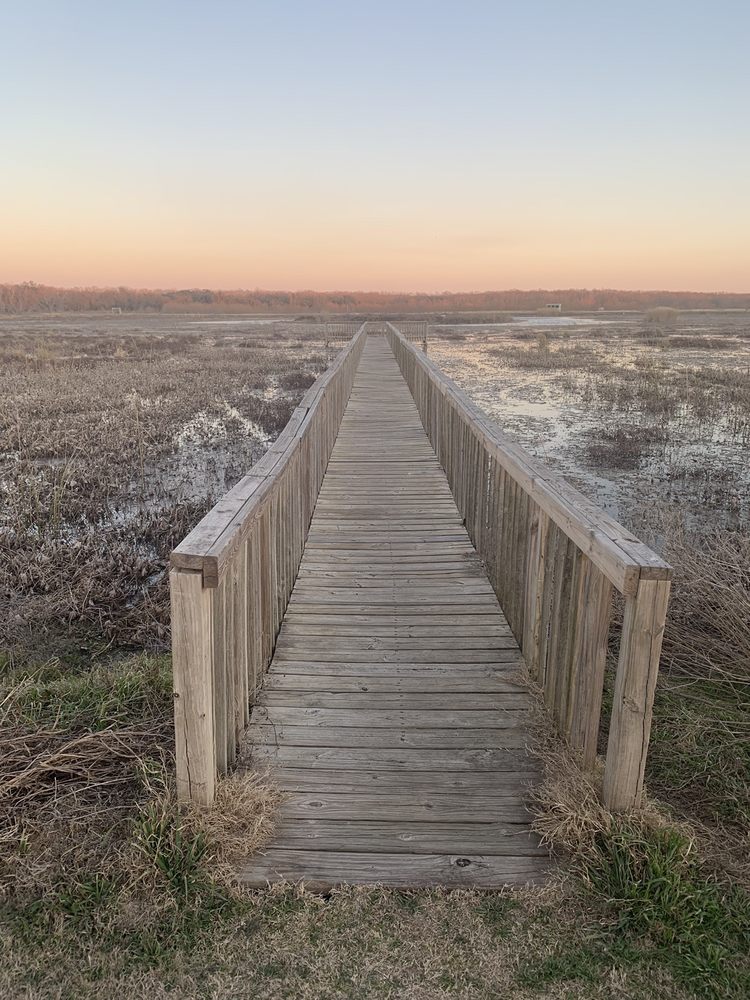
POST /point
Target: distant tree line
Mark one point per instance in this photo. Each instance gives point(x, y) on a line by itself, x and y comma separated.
point(31, 297)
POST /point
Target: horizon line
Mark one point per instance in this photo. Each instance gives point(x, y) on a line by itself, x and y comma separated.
point(361, 291)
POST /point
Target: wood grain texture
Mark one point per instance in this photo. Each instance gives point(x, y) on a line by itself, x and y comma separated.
point(632, 704)
point(195, 744)
point(390, 712)
point(320, 870)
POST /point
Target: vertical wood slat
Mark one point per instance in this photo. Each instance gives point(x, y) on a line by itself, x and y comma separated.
point(635, 684)
point(241, 642)
point(219, 660)
point(265, 585)
point(594, 609)
point(551, 550)
point(255, 621)
point(556, 599)
point(566, 614)
point(534, 589)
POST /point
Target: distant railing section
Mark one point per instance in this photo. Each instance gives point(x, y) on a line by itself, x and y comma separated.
point(553, 559)
point(232, 576)
point(415, 331)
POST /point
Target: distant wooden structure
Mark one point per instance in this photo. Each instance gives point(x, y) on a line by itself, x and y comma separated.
point(415, 331)
point(554, 307)
point(337, 334)
point(355, 610)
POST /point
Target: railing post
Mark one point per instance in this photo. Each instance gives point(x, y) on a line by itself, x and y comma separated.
point(635, 683)
point(193, 680)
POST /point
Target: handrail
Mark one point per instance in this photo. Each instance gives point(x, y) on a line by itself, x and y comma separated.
point(232, 576)
point(553, 558)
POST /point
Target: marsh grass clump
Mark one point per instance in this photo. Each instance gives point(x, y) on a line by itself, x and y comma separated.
point(708, 637)
point(652, 387)
point(296, 380)
point(75, 747)
point(651, 337)
point(623, 447)
point(543, 357)
point(701, 343)
point(662, 317)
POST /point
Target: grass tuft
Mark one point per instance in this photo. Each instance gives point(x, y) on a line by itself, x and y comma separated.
point(177, 854)
point(660, 894)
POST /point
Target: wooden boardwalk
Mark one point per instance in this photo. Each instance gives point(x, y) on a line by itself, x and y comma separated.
point(390, 716)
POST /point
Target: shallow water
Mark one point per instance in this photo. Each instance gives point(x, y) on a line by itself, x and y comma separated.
point(692, 446)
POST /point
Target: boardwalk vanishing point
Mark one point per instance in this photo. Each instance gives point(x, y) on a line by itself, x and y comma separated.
point(336, 619)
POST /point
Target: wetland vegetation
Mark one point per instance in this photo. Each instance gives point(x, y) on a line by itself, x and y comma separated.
point(116, 435)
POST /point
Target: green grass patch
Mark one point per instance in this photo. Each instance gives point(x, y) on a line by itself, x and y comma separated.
point(497, 913)
point(123, 692)
point(176, 853)
point(672, 912)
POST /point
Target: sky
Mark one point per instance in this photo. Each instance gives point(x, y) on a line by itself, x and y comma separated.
point(390, 146)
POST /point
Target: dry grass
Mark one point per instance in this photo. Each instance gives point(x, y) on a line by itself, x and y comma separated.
point(701, 343)
point(543, 357)
point(666, 878)
point(238, 825)
point(708, 632)
point(623, 446)
point(662, 317)
point(86, 774)
point(699, 758)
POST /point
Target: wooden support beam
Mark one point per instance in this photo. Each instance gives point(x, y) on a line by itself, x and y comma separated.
point(635, 683)
point(193, 681)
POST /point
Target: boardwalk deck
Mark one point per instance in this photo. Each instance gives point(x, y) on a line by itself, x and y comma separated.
point(390, 715)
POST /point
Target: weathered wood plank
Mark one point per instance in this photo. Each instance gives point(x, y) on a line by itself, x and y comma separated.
point(407, 807)
point(448, 684)
point(393, 718)
point(384, 738)
point(387, 701)
point(470, 784)
point(507, 667)
point(402, 837)
point(322, 870)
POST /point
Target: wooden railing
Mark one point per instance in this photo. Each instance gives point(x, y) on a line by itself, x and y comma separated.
point(415, 331)
point(231, 579)
point(553, 559)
